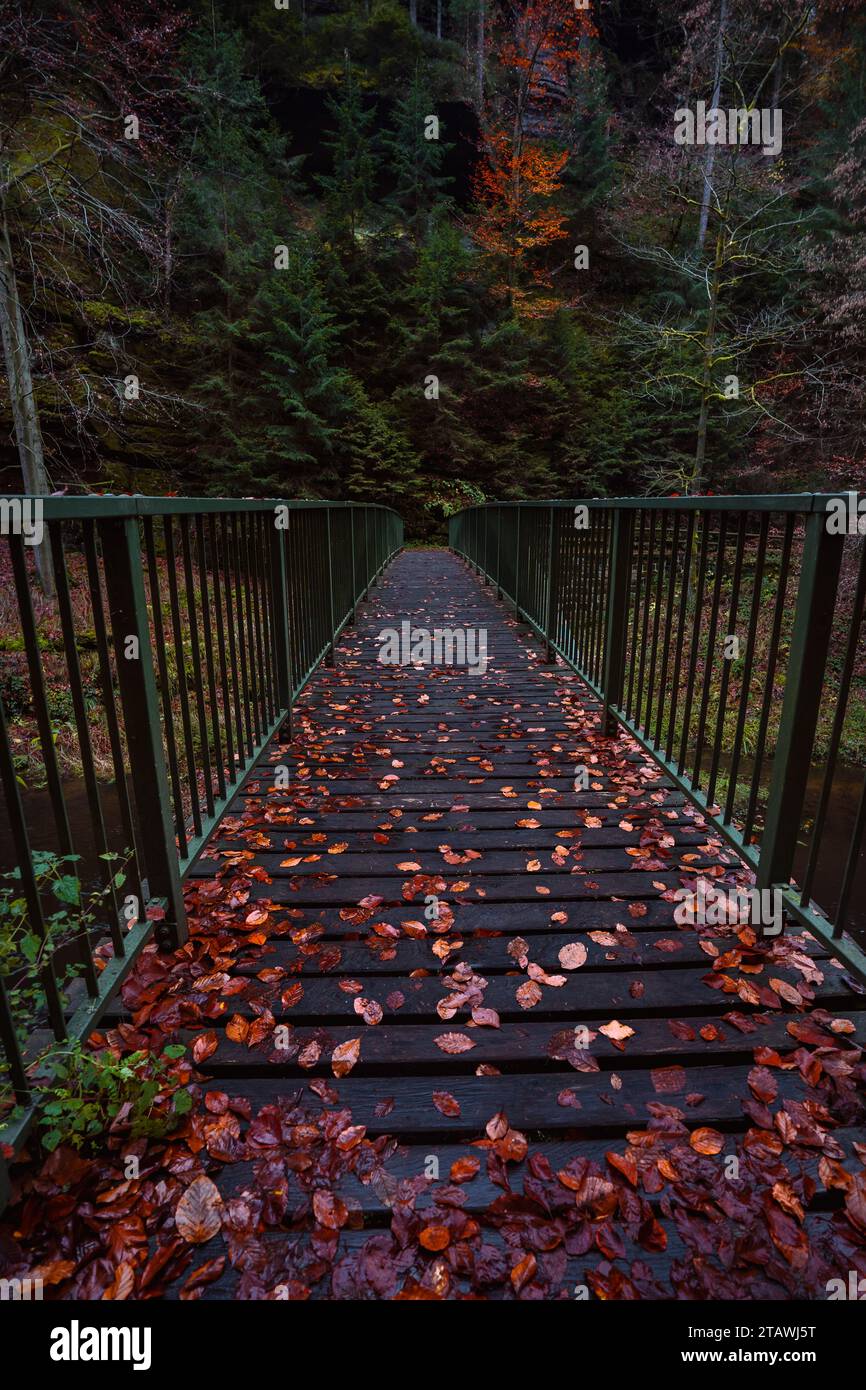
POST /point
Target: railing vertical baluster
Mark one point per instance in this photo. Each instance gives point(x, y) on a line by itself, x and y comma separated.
point(549, 653)
point(333, 625)
point(29, 887)
point(616, 619)
point(124, 583)
point(282, 636)
point(517, 561)
point(221, 649)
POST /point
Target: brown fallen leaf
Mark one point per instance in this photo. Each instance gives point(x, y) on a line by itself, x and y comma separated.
point(528, 994)
point(573, 955)
point(199, 1213)
point(454, 1042)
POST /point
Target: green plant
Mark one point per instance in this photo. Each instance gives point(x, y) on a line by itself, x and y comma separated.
point(90, 1091)
point(24, 950)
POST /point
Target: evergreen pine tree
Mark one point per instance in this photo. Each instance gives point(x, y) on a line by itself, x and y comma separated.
point(416, 154)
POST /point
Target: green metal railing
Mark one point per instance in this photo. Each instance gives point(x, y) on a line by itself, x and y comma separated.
point(179, 636)
point(725, 635)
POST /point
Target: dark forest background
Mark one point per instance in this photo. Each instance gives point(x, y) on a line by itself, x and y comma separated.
point(232, 260)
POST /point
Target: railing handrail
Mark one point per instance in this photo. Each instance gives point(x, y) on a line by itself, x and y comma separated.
point(93, 506)
point(722, 502)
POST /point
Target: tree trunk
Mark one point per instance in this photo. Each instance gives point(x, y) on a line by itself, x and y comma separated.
point(25, 415)
point(710, 157)
point(413, 12)
point(438, 19)
point(479, 57)
point(697, 480)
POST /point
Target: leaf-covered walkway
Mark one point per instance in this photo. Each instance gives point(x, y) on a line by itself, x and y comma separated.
point(549, 1089)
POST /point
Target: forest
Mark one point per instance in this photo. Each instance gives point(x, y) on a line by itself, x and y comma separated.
point(431, 254)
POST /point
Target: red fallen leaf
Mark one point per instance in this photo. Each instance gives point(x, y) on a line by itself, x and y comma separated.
point(350, 986)
point(446, 1104)
point(257, 918)
point(454, 1042)
point(292, 996)
point(707, 1141)
point(569, 1098)
point(833, 1175)
point(409, 866)
point(464, 1169)
point(435, 1237)
point(512, 1147)
point(122, 1285)
point(200, 1276)
point(345, 1056)
point(524, 1272)
point(329, 1210)
point(652, 1235)
point(338, 848)
point(625, 1164)
point(637, 909)
point(855, 1202)
point(384, 1107)
point(485, 1018)
point(199, 1213)
point(517, 947)
point(681, 1030)
point(396, 999)
point(763, 1084)
point(787, 1198)
point(55, 1271)
point(573, 955)
point(668, 1080)
point(412, 1291)
point(204, 1046)
point(370, 1011)
point(786, 1235)
point(385, 929)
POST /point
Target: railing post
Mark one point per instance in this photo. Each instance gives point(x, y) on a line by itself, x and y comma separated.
point(616, 622)
point(498, 550)
point(282, 637)
point(810, 642)
point(552, 585)
point(124, 584)
point(330, 658)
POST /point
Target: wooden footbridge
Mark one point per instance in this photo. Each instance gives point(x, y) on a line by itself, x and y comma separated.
point(432, 933)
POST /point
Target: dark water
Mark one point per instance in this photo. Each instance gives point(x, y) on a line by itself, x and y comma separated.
point(831, 866)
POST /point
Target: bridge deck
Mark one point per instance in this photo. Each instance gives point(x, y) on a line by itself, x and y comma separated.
point(411, 1046)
